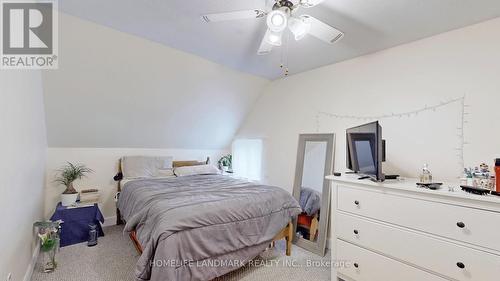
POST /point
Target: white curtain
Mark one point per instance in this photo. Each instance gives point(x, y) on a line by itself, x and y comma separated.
point(247, 158)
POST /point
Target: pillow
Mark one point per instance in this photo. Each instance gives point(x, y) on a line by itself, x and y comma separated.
point(196, 170)
point(165, 173)
point(134, 167)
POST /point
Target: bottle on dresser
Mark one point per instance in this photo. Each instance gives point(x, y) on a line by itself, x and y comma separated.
point(426, 175)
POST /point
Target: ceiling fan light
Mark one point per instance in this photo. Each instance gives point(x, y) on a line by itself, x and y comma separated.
point(310, 3)
point(274, 38)
point(299, 27)
point(277, 20)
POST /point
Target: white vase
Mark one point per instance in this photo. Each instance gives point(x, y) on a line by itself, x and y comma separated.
point(68, 199)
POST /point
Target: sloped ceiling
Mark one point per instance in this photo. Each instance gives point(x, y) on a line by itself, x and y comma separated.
point(370, 25)
point(113, 89)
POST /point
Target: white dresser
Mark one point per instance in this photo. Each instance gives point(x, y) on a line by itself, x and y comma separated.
point(394, 231)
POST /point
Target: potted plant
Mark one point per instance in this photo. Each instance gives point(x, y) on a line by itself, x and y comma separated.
point(68, 174)
point(226, 163)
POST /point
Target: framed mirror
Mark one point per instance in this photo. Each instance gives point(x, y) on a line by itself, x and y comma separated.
point(312, 190)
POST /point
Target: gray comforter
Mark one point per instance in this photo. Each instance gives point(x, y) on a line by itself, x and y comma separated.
point(201, 227)
point(310, 201)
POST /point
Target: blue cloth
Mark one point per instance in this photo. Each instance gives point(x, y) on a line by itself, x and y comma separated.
point(75, 228)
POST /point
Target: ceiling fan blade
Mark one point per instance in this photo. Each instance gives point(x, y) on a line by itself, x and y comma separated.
point(265, 48)
point(236, 15)
point(323, 31)
point(309, 3)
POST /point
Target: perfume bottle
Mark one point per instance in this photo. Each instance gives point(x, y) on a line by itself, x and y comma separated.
point(426, 176)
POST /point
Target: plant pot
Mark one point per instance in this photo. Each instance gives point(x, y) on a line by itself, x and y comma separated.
point(68, 199)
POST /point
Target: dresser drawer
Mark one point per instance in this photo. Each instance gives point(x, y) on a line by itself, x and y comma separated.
point(420, 250)
point(469, 225)
point(374, 267)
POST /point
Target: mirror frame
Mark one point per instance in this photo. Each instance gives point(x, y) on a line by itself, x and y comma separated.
point(318, 247)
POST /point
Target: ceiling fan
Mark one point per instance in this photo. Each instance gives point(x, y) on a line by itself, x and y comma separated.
point(280, 15)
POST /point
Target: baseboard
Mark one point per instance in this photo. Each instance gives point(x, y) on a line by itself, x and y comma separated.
point(109, 221)
point(34, 259)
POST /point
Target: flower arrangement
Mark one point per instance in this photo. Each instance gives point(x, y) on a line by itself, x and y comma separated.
point(48, 232)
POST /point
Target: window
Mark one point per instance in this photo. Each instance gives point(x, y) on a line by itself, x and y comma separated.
point(247, 158)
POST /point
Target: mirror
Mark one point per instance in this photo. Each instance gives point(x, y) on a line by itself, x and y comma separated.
point(312, 190)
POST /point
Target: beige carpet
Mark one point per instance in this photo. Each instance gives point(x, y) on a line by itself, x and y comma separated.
point(115, 257)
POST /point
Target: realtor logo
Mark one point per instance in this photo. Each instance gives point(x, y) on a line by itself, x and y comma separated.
point(29, 34)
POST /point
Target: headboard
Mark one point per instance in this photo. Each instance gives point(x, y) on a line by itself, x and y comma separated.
point(177, 164)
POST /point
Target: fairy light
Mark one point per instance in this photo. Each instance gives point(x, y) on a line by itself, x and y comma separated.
point(461, 130)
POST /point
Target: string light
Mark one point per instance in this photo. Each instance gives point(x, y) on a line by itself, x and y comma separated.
point(461, 154)
point(392, 115)
point(409, 114)
point(317, 123)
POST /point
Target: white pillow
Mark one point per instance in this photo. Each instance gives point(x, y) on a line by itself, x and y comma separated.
point(165, 173)
point(134, 167)
point(196, 170)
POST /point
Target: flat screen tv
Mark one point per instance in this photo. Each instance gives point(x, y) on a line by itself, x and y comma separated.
point(365, 150)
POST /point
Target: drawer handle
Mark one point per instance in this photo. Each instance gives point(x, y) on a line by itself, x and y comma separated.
point(460, 265)
point(460, 224)
point(356, 265)
point(356, 203)
point(356, 232)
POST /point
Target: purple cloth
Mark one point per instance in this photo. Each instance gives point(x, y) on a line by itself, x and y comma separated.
point(75, 228)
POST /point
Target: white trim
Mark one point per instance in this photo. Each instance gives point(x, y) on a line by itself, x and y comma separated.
point(109, 221)
point(31, 266)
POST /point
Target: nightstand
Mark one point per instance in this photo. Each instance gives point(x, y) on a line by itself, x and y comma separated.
point(76, 220)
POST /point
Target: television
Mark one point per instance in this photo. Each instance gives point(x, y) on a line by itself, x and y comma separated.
point(366, 150)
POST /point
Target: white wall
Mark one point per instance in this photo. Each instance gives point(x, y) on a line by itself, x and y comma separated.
point(114, 89)
point(22, 164)
point(116, 94)
point(401, 79)
point(104, 162)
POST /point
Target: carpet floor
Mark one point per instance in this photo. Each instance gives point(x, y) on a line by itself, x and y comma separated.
point(114, 259)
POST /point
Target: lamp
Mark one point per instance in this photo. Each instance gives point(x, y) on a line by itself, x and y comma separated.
point(274, 38)
point(299, 26)
point(277, 20)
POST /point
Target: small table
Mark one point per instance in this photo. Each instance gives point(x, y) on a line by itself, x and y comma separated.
point(76, 220)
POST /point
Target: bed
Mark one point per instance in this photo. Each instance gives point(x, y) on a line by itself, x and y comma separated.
point(199, 227)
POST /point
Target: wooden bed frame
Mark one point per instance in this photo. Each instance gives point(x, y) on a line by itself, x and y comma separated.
point(286, 233)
